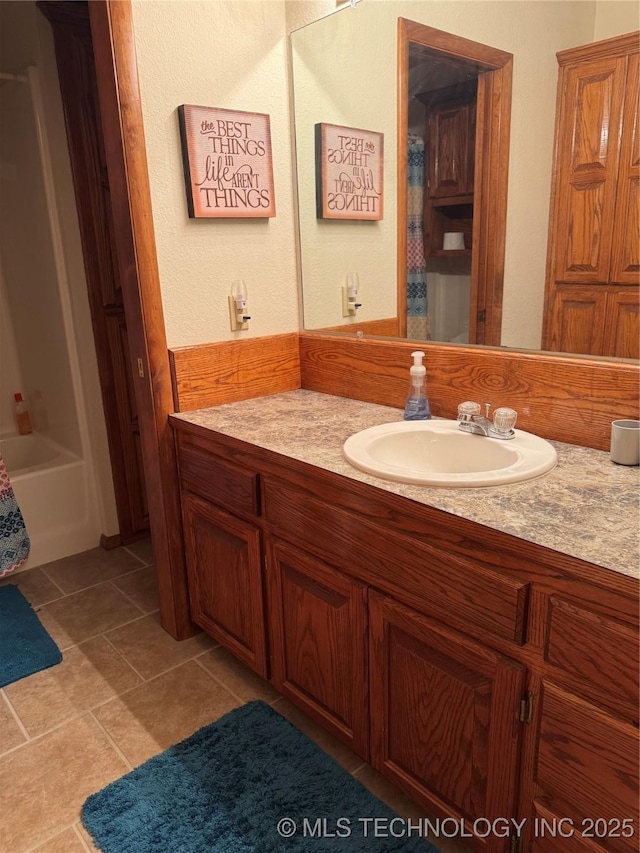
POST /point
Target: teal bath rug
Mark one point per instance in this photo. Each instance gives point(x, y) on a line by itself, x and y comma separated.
point(249, 783)
point(25, 646)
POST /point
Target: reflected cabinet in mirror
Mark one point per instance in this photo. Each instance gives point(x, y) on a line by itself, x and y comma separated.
point(492, 233)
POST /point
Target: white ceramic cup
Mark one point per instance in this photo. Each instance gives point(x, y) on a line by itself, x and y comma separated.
point(625, 442)
point(453, 240)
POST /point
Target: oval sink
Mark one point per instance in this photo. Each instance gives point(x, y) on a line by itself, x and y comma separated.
point(437, 453)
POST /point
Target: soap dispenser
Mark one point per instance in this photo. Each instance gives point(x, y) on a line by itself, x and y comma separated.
point(417, 405)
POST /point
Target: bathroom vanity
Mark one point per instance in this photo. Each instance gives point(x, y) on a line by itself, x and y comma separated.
point(478, 646)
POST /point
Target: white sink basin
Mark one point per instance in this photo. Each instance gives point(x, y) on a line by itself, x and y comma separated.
point(437, 453)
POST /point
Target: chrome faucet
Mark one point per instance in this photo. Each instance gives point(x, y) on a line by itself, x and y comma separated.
point(470, 420)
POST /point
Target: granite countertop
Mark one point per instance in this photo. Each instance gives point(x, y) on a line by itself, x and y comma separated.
point(587, 507)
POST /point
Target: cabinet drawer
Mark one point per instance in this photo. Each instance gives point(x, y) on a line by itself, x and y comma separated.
point(596, 654)
point(473, 597)
point(205, 474)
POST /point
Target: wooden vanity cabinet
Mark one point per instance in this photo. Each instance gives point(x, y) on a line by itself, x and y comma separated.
point(485, 676)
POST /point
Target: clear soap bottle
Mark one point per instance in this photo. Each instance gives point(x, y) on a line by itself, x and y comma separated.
point(23, 418)
point(417, 405)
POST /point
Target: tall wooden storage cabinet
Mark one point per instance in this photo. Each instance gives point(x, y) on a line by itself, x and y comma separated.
point(591, 300)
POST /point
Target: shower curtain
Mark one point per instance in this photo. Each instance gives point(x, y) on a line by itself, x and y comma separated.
point(418, 326)
point(14, 542)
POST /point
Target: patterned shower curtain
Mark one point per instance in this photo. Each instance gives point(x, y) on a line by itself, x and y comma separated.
point(14, 542)
point(417, 310)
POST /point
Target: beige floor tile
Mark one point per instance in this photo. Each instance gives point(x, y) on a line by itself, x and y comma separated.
point(65, 842)
point(88, 840)
point(45, 782)
point(164, 711)
point(141, 587)
point(80, 571)
point(77, 617)
point(11, 734)
point(150, 650)
point(403, 805)
point(337, 750)
point(143, 550)
point(90, 674)
point(237, 677)
point(36, 587)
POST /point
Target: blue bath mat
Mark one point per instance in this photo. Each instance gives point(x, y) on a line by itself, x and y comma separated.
point(248, 783)
point(25, 646)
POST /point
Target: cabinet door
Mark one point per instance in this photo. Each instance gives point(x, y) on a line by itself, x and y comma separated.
point(451, 150)
point(318, 628)
point(625, 265)
point(576, 319)
point(587, 169)
point(622, 325)
point(586, 771)
point(224, 568)
point(444, 717)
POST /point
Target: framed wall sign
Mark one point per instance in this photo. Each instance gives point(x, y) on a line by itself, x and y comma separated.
point(349, 164)
point(228, 168)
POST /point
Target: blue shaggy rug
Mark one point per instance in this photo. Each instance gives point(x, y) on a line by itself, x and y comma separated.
point(248, 783)
point(25, 646)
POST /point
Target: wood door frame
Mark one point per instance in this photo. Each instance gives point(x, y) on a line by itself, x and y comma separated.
point(76, 75)
point(491, 173)
point(122, 120)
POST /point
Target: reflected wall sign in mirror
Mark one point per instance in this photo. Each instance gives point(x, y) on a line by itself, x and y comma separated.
point(366, 46)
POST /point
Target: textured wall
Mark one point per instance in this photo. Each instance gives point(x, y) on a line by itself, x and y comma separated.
point(229, 54)
point(614, 17)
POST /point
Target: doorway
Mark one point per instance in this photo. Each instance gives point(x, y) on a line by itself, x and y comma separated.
point(117, 94)
point(77, 77)
point(465, 90)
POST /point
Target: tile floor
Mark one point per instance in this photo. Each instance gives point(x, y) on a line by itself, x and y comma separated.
point(125, 690)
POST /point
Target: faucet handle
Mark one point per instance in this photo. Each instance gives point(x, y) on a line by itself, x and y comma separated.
point(467, 410)
point(504, 419)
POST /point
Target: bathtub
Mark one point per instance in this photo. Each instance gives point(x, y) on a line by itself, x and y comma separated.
point(50, 485)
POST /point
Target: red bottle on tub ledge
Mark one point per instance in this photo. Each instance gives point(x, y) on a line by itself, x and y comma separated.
point(22, 415)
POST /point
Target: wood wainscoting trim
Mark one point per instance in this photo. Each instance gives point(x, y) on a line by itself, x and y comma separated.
point(228, 371)
point(562, 398)
point(386, 328)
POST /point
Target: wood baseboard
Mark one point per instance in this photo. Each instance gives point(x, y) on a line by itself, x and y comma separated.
point(228, 371)
point(110, 542)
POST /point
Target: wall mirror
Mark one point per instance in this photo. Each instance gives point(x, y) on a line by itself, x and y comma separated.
point(350, 69)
